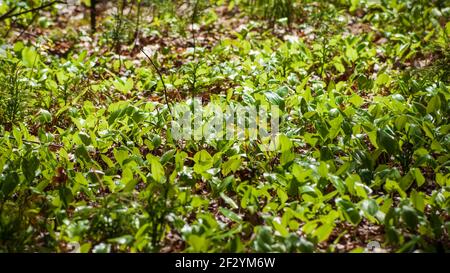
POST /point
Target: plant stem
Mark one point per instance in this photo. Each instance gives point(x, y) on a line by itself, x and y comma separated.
point(9, 15)
point(194, 72)
point(93, 15)
point(160, 77)
point(138, 17)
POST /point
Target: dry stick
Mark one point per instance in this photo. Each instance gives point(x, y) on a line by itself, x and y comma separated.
point(130, 9)
point(9, 15)
point(93, 15)
point(26, 28)
point(136, 31)
point(194, 72)
point(161, 78)
point(10, 27)
point(33, 142)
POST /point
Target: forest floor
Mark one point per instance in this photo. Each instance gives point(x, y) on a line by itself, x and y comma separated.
point(88, 153)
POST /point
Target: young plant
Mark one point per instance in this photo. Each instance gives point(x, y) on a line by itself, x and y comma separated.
point(13, 92)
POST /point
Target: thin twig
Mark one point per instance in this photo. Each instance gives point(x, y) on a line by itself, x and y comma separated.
point(25, 29)
point(10, 28)
point(93, 14)
point(160, 77)
point(56, 145)
point(9, 15)
point(136, 31)
point(194, 72)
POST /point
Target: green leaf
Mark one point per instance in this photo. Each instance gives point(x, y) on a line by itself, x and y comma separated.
point(299, 173)
point(179, 160)
point(82, 153)
point(230, 215)
point(307, 190)
point(232, 165)
point(382, 79)
point(409, 216)
point(362, 190)
point(66, 196)
point(29, 167)
point(157, 169)
point(129, 180)
point(392, 186)
point(274, 98)
point(323, 232)
point(29, 57)
point(203, 161)
point(387, 203)
point(85, 138)
point(287, 157)
point(354, 5)
point(80, 179)
point(339, 66)
point(370, 206)
point(356, 100)
point(282, 91)
point(434, 104)
point(420, 179)
point(386, 140)
point(323, 169)
point(18, 137)
point(282, 195)
point(120, 155)
point(108, 161)
point(351, 53)
point(122, 240)
point(123, 85)
point(229, 201)
point(44, 116)
point(9, 183)
point(198, 243)
point(167, 156)
point(349, 209)
point(418, 200)
point(350, 183)
point(279, 227)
